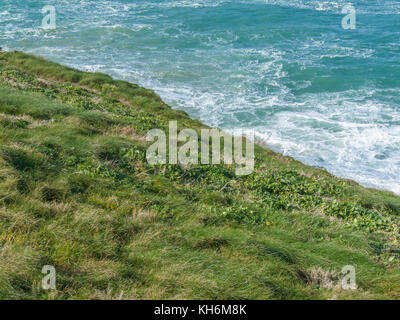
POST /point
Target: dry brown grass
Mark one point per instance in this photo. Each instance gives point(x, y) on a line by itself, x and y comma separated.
point(323, 278)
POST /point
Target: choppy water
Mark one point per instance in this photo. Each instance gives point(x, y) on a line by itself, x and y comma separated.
point(326, 96)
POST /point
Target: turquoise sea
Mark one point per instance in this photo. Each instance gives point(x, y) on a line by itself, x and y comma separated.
point(287, 69)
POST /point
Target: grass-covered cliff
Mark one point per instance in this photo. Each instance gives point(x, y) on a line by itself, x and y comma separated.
point(76, 192)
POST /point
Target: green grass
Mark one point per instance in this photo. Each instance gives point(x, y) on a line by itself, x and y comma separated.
point(76, 192)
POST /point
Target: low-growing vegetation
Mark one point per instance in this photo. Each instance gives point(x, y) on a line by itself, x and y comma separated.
point(76, 192)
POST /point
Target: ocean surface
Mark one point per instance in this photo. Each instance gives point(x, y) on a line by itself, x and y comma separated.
point(325, 95)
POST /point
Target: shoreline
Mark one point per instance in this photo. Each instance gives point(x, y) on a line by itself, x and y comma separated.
point(257, 141)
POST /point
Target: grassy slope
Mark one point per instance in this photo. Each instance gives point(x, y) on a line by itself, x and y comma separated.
point(76, 192)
